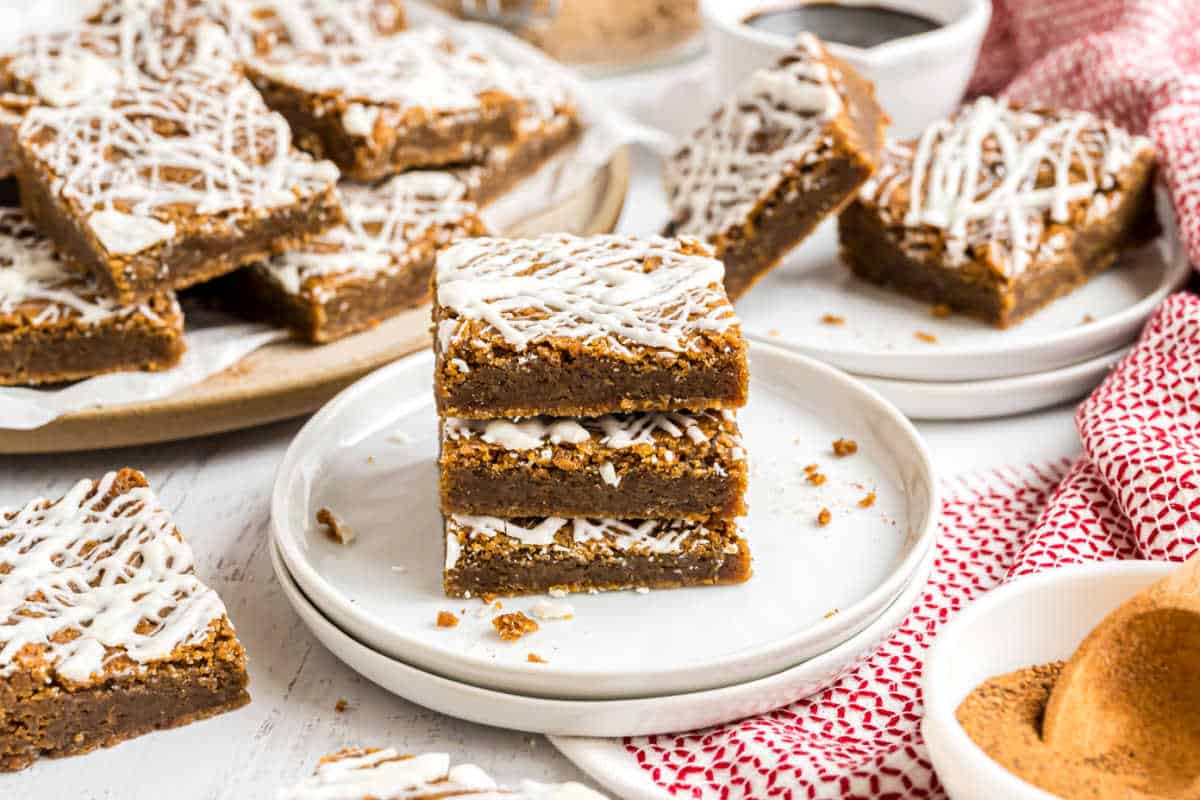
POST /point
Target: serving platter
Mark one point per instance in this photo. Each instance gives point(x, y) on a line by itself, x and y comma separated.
point(370, 457)
point(289, 378)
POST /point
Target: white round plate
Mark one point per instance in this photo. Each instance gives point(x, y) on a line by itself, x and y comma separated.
point(998, 397)
point(370, 456)
point(600, 718)
point(879, 334)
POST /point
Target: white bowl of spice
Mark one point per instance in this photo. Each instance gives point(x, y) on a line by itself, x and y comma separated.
point(919, 53)
point(989, 675)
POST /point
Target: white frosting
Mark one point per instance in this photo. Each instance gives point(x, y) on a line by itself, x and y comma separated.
point(228, 156)
point(32, 276)
point(101, 572)
point(723, 173)
point(549, 609)
point(126, 234)
point(359, 120)
point(994, 177)
point(655, 536)
point(386, 228)
point(311, 24)
point(594, 288)
point(453, 550)
point(386, 775)
point(608, 473)
point(619, 431)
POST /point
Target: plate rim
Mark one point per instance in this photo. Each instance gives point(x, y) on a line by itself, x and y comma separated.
point(348, 614)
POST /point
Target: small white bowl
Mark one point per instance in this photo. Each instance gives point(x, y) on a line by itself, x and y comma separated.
point(918, 79)
point(1033, 620)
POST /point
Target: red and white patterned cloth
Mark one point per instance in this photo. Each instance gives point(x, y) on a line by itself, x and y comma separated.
point(1136, 62)
point(1134, 494)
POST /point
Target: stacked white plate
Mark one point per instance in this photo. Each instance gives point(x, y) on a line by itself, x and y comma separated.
point(629, 662)
point(955, 367)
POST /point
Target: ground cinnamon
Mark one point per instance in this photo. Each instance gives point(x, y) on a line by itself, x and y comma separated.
point(1004, 717)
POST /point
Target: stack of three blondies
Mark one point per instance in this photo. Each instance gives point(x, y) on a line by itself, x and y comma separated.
point(587, 390)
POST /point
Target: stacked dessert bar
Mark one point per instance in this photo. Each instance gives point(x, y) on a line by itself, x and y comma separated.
point(587, 389)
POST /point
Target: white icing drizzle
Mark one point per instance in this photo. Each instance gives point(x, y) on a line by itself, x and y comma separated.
point(33, 280)
point(312, 24)
point(550, 609)
point(655, 536)
point(387, 227)
point(608, 473)
point(618, 431)
point(118, 576)
point(996, 177)
point(619, 289)
point(226, 155)
point(774, 124)
point(387, 775)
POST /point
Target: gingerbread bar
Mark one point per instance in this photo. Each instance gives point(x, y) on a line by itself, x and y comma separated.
point(649, 465)
point(573, 326)
point(56, 325)
point(787, 151)
point(107, 633)
point(369, 773)
point(161, 186)
point(1000, 210)
point(357, 274)
point(416, 99)
point(494, 556)
point(262, 26)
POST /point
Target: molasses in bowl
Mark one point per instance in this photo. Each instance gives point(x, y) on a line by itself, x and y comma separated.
point(919, 53)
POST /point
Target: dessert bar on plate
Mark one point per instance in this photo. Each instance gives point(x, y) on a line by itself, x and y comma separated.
point(56, 325)
point(416, 99)
point(369, 773)
point(1002, 209)
point(655, 464)
point(107, 634)
point(354, 275)
point(787, 151)
point(493, 556)
point(562, 325)
point(161, 186)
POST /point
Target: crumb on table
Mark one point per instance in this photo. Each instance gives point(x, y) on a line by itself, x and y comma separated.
point(824, 517)
point(831, 613)
point(845, 447)
point(446, 619)
point(337, 530)
point(511, 627)
point(341, 705)
point(928, 338)
point(534, 658)
point(832, 319)
point(867, 501)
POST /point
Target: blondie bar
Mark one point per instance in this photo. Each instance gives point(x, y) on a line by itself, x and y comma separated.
point(107, 633)
point(1001, 209)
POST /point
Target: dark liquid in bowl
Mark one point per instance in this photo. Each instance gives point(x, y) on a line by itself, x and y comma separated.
point(857, 26)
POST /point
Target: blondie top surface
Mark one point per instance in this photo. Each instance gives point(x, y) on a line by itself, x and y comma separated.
point(778, 122)
point(157, 162)
point(613, 296)
point(98, 585)
point(37, 291)
point(388, 229)
point(260, 26)
point(368, 773)
point(1002, 188)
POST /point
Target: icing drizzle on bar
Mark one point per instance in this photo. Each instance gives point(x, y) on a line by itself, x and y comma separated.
point(655, 536)
point(314, 24)
point(386, 227)
point(34, 280)
point(619, 289)
point(775, 123)
point(996, 178)
point(117, 576)
point(618, 431)
point(361, 773)
point(216, 150)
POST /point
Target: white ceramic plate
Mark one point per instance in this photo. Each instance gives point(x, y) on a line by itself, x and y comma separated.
point(602, 718)
point(1033, 620)
point(998, 397)
point(879, 334)
point(370, 456)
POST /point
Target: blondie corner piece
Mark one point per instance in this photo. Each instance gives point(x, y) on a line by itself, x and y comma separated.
point(493, 556)
point(648, 465)
point(107, 634)
point(368, 773)
point(573, 326)
point(355, 275)
point(161, 186)
point(1001, 209)
point(56, 325)
point(788, 150)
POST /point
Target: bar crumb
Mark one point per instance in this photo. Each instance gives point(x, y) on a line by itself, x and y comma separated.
point(867, 501)
point(337, 530)
point(511, 627)
point(534, 658)
point(832, 319)
point(928, 338)
point(341, 705)
point(446, 619)
point(824, 517)
point(845, 447)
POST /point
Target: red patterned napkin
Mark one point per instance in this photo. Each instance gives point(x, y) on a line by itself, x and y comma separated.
point(1134, 61)
point(1134, 494)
